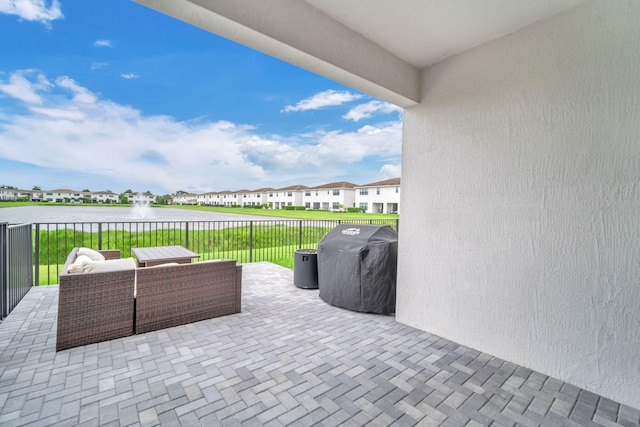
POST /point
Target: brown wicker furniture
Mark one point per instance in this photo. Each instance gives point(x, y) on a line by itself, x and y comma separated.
point(94, 307)
point(175, 295)
point(156, 255)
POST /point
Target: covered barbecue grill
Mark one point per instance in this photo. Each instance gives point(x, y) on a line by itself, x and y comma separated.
point(357, 267)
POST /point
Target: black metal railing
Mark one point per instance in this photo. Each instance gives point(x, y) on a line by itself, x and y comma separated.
point(16, 265)
point(244, 241)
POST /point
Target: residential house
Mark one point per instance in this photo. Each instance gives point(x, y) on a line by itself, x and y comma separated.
point(520, 208)
point(335, 196)
point(185, 199)
point(7, 194)
point(141, 198)
point(237, 197)
point(257, 197)
point(288, 196)
point(62, 196)
point(225, 198)
point(103, 197)
point(207, 199)
point(379, 197)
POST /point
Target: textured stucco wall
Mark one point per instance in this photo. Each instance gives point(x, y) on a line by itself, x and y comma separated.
point(520, 232)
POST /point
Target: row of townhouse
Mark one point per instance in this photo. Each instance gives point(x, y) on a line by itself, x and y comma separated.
point(377, 197)
point(72, 196)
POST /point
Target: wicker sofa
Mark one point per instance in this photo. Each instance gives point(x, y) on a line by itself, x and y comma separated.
point(100, 306)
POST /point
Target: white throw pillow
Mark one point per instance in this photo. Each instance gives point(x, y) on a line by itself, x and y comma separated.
point(94, 255)
point(109, 265)
point(78, 265)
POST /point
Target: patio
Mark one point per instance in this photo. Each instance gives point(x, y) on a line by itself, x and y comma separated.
point(287, 359)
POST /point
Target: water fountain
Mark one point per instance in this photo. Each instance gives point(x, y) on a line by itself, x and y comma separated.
point(141, 208)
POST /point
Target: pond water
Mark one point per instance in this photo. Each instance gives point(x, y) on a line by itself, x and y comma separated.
point(58, 214)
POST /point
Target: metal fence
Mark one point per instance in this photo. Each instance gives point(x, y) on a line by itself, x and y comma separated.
point(16, 265)
point(244, 241)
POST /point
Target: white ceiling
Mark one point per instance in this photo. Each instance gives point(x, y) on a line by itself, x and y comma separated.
point(423, 32)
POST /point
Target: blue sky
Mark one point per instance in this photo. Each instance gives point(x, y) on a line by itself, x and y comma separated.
point(112, 95)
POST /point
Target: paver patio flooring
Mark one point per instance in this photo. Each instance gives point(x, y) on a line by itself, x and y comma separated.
point(287, 359)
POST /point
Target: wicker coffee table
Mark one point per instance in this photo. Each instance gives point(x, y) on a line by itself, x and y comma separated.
point(163, 254)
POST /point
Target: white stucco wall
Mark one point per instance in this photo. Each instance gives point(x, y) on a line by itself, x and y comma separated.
point(520, 231)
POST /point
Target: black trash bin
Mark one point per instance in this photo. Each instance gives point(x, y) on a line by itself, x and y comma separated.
point(305, 268)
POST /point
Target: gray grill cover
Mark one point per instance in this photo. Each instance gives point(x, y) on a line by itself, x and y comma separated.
point(357, 267)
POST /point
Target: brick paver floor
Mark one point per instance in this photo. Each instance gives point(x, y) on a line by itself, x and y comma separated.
point(287, 359)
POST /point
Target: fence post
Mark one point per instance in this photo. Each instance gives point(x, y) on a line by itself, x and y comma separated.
point(99, 236)
point(398, 224)
point(36, 262)
point(3, 271)
point(250, 241)
point(300, 239)
point(186, 235)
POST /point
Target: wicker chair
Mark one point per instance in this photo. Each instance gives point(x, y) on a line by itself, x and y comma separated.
point(94, 307)
point(176, 295)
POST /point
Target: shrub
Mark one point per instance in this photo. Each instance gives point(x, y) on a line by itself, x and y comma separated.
point(354, 210)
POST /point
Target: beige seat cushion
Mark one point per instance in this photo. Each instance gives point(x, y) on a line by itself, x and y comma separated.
point(109, 265)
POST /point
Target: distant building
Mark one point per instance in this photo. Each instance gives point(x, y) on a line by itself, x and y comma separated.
point(379, 197)
point(334, 196)
point(287, 196)
point(62, 196)
point(258, 197)
point(185, 199)
point(207, 199)
point(145, 197)
point(7, 194)
point(102, 196)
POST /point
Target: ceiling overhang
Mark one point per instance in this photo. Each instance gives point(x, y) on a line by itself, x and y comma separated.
point(376, 46)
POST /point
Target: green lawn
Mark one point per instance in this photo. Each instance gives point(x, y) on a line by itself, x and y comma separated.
point(280, 213)
point(281, 255)
point(4, 204)
point(283, 213)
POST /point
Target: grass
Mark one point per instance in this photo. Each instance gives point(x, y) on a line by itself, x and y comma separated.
point(281, 255)
point(283, 213)
point(8, 204)
point(55, 245)
point(279, 213)
point(274, 243)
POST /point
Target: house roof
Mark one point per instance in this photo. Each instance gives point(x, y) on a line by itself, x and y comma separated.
point(392, 181)
point(340, 184)
point(293, 187)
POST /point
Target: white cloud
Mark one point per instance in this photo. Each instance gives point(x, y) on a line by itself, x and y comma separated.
point(365, 111)
point(80, 94)
point(323, 99)
point(102, 43)
point(32, 10)
point(20, 87)
point(66, 127)
point(74, 130)
point(328, 148)
point(129, 76)
point(389, 171)
point(98, 65)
